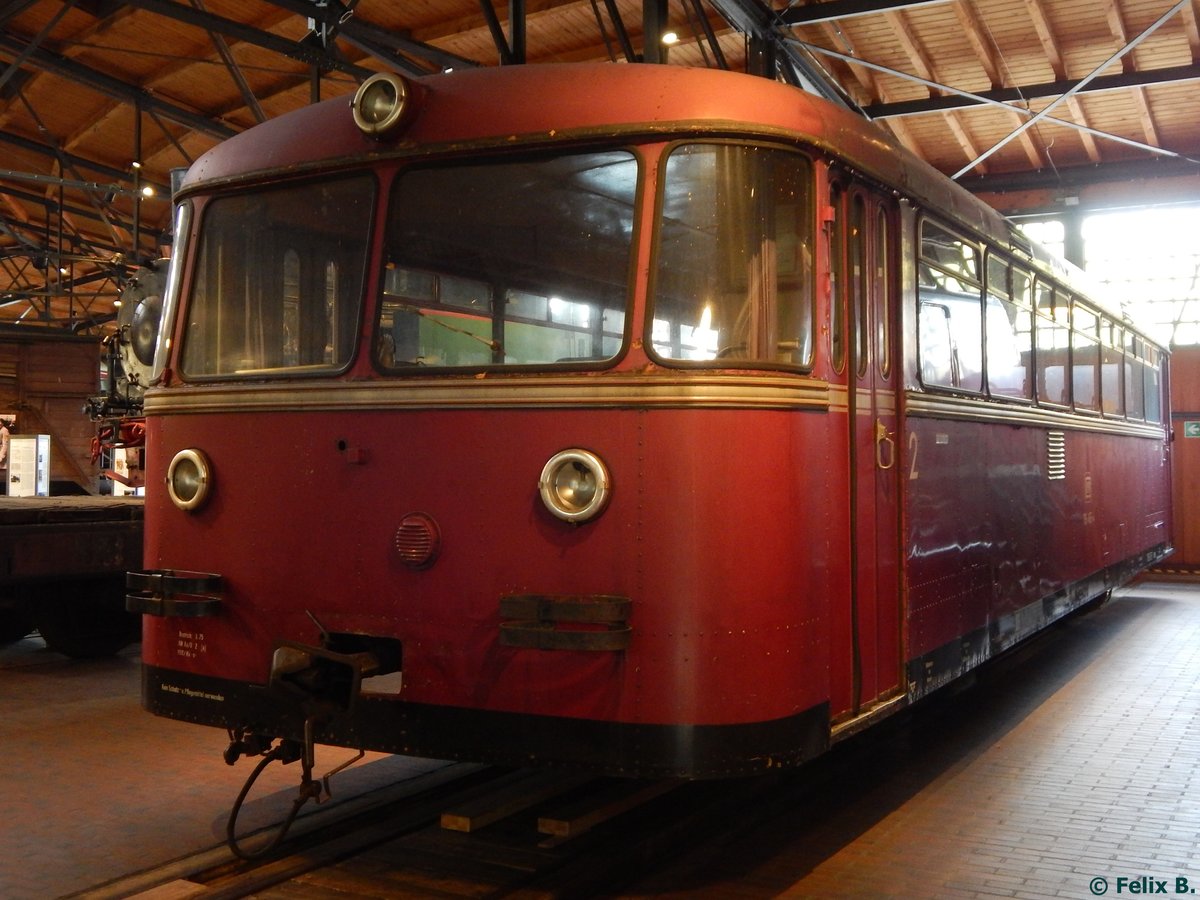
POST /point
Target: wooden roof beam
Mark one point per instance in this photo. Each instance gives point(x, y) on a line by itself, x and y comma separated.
point(814, 13)
point(53, 205)
point(874, 90)
point(1116, 24)
point(15, 66)
point(114, 87)
point(1072, 177)
point(204, 52)
point(12, 9)
point(1091, 76)
point(993, 67)
point(1191, 27)
point(1054, 55)
point(101, 202)
point(235, 72)
point(1020, 93)
point(924, 66)
point(1045, 35)
point(75, 160)
point(986, 101)
point(18, 211)
point(297, 50)
point(358, 30)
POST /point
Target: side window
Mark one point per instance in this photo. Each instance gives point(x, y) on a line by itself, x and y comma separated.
point(949, 292)
point(1135, 399)
point(1112, 397)
point(1009, 323)
point(859, 281)
point(1085, 358)
point(1053, 331)
point(881, 284)
point(837, 277)
point(734, 277)
point(938, 363)
point(1153, 371)
point(283, 297)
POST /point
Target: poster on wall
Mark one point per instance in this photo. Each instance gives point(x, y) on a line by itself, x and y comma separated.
point(29, 465)
point(8, 424)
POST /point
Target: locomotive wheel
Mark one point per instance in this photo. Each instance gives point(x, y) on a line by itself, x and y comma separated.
point(85, 619)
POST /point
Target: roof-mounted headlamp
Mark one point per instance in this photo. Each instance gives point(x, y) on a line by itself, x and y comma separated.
point(381, 104)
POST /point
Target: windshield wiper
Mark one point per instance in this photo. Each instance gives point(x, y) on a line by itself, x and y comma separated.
point(494, 345)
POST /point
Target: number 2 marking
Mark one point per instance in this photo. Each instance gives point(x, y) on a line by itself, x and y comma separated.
point(913, 474)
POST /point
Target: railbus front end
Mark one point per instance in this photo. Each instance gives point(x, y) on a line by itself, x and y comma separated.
point(649, 440)
point(494, 455)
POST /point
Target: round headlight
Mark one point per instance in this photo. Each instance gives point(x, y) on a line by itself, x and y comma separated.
point(189, 479)
point(380, 103)
point(575, 485)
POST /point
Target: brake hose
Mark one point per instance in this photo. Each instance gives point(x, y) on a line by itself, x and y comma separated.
point(309, 789)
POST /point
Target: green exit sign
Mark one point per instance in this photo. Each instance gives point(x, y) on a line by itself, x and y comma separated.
point(1191, 429)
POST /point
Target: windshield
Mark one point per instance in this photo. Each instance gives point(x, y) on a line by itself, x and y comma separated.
point(734, 279)
point(277, 286)
point(508, 263)
point(166, 321)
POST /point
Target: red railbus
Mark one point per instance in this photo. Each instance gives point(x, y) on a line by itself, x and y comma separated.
point(676, 423)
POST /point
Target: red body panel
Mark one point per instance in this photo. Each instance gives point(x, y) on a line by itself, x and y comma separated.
point(728, 576)
point(988, 533)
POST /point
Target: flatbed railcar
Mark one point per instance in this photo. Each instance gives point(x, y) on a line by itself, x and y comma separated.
point(63, 558)
point(676, 424)
point(62, 571)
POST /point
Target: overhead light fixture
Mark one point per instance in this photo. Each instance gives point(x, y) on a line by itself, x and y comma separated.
point(670, 39)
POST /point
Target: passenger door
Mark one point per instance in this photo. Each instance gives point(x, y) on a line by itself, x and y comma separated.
point(870, 289)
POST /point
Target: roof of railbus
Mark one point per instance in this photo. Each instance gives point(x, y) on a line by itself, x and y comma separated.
point(524, 106)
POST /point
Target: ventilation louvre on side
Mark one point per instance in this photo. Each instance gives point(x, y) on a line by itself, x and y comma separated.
point(1056, 455)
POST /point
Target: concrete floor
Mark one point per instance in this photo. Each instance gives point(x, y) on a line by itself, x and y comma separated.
point(1071, 768)
point(96, 788)
point(1075, 760)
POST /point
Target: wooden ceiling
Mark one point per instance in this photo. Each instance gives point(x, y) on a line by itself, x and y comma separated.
point(1105, 92)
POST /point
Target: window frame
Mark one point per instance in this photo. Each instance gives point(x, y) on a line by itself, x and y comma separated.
point(977, 280)
point(1079, 310)
point(808, 215)
point(635, 155)
point(1012, 269)
point(201, 216)
point(1140, 362)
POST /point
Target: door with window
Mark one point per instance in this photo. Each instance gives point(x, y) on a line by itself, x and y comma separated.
point(866, 289)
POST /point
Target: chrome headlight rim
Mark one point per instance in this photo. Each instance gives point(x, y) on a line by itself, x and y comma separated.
point(560, 466)
point(375, 117)
point(193, 465)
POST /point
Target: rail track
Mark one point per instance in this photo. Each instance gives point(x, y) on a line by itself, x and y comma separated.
point(475, 831)
point(467, 830)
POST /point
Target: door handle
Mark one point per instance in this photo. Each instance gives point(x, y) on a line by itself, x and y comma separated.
point(885, 447)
